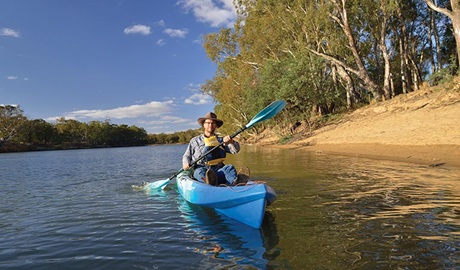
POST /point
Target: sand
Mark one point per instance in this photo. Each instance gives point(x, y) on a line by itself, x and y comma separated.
point(420, 127)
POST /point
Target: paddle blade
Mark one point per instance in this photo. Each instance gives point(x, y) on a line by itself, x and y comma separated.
point(271, 110)
point(157, 184)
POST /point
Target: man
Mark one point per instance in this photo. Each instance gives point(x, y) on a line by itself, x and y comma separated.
point(211, 169)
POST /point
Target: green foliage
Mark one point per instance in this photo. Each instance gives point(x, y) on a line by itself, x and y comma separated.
point(37, 132)
point(220, 45)
point(181, 137)
point(322, 57)
point(285, 140)
point(302, 81)
point(445, 74)
point(11, 119)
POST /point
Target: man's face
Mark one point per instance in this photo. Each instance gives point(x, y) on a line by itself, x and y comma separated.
point(209, 126)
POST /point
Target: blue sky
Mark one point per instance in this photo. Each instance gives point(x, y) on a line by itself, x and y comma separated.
point(134, 62)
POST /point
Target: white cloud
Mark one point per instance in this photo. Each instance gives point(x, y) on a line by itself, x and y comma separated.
point(166, 120)
point(168, 124)
point(139, 29)
point(12, 77)
point(176, 33)
point(217, 13)
point(198, 40)
point(156, 116)
point(8, 32)
point(151, 109)
point(198, 99)
point(161, 42)
point(161, 23)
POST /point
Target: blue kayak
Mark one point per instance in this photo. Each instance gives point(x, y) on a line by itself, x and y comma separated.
point(244, 203)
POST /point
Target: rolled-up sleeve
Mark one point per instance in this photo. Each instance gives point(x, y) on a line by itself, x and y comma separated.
point(187, 157)
point(233, 148)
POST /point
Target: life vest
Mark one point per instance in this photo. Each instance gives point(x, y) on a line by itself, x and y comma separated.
point(217, 155)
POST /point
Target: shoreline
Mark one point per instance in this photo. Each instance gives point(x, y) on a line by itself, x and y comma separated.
point(430, 155)
point(420, 127)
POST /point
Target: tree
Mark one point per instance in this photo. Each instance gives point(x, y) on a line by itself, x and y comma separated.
point(228, 84)
point(339, 10)
point(37, 132)
point(11, 118)
point(454, 16)
point(71, 131)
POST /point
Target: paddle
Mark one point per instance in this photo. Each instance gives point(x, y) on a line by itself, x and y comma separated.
point(267, 113)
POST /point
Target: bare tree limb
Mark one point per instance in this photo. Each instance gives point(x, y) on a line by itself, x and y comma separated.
point(444, 11)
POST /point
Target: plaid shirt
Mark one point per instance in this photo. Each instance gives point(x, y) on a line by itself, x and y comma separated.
point(196, 147)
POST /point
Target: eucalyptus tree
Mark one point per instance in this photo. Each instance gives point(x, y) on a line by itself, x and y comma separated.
point(287, 70)
point(37, 132)
point(345, 36)
point(225, 87)
point(406, 15)
point(71, 131)
point(453, 13)
point(11, 119)
point(255, 58)
point(435, 45)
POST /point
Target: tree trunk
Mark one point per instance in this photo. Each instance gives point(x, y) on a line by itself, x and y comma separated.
point(385, 55)
point(402, 65)
point(349, 86)
point(456, 25)
point(431, 35)
point(342, 19)
point(454, 16)
point(402, 37)
point(437, 43)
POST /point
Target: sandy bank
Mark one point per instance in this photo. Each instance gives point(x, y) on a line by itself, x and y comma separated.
point(420, 127)
point(433, 155)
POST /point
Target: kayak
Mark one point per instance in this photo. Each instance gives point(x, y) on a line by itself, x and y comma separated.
point(245, 203)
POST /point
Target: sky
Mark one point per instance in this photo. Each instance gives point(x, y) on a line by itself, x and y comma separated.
point(133, 62)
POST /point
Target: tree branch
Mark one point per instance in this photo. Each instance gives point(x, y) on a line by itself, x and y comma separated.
point(440, 10)
point(336, 61)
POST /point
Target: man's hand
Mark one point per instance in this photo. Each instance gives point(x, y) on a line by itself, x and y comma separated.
point(185, 166)
point(228, 140)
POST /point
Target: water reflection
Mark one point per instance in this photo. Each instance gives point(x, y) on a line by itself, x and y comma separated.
point(337, 212)
point(228, 242)
point(404, 215)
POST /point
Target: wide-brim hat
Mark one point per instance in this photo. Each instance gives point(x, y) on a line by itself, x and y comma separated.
point(210, 116)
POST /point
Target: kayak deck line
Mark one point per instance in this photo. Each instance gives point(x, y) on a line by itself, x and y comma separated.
point(249, 185)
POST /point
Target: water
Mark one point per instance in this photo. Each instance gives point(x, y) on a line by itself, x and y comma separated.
point(76, 210)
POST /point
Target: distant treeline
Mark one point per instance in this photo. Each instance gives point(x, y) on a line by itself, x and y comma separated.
point(181, 137)
point(18, 133)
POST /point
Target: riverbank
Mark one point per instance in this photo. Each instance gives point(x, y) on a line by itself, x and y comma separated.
point(430, 155)
point(420, 127)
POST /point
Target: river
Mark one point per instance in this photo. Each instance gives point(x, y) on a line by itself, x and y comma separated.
point(75, 209)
